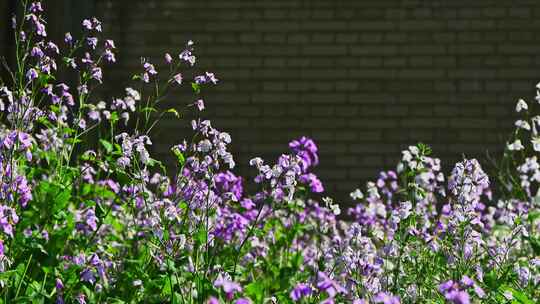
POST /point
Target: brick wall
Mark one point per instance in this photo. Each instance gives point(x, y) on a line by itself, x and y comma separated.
point(4, 29)
point(364, 78)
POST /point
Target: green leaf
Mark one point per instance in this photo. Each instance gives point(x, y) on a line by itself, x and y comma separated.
point(201, 236)
point(196, 88)
point(171, 110)
point(519, 296)
point(179, 156)
point(148, 109)
point(255, 290)
point(533, 215)
point(107, 145)
point(535, 244)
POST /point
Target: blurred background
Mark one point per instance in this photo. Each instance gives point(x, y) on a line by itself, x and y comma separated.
point(363, 78)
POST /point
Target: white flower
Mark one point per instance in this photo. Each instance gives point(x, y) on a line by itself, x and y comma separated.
point(330, 204)
point(522, 124)
point(335, 209)
point(133, 93)
point(515, 146)
point(534, 123)
point(357, 194)
point(535, 141)
point(521, 105)
point(257, 162)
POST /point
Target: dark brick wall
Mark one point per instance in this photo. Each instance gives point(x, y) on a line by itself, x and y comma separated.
point(4, 27)
point(364, 78)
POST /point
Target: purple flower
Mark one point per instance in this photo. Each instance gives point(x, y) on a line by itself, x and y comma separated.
point(307, 150)
point(313, 181)
point(229, 287)
point(53, 48)
point(35, 7)
point(444, 287)
point(243, 301)
point(212, 300)
point(467, 281)
point(37, 52)
point(458, 297)
point(331, 287)
point(200, 79)
point(1, 248)
point(86, 220)
point(227, 182)
point(81, 298)
point(149, 68)
point(97, 74)
point(386, 298)
point(87, 275)
point(524, 275)
point(468, 181)
point(31, 74)
point(8, 218)
point(59, 284)
point(299, 291)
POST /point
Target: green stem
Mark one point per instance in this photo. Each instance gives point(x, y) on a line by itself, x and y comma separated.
point(23, 276)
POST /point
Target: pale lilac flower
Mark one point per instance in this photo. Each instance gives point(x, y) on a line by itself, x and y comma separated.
point(212, 300)
point(87, 24)
point(51, 47)
point(178, 78)
point(168, 58)
point(109, 44)
point(92, 42)
point(109, 56)
point(200, 104)
point(386, 298)
point(68, 39)
point(228, 286)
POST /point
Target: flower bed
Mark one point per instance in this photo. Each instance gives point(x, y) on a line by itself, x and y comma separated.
point(88, 216)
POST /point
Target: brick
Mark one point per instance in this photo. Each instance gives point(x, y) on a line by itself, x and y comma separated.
point(364, 78)
point(378, 50)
